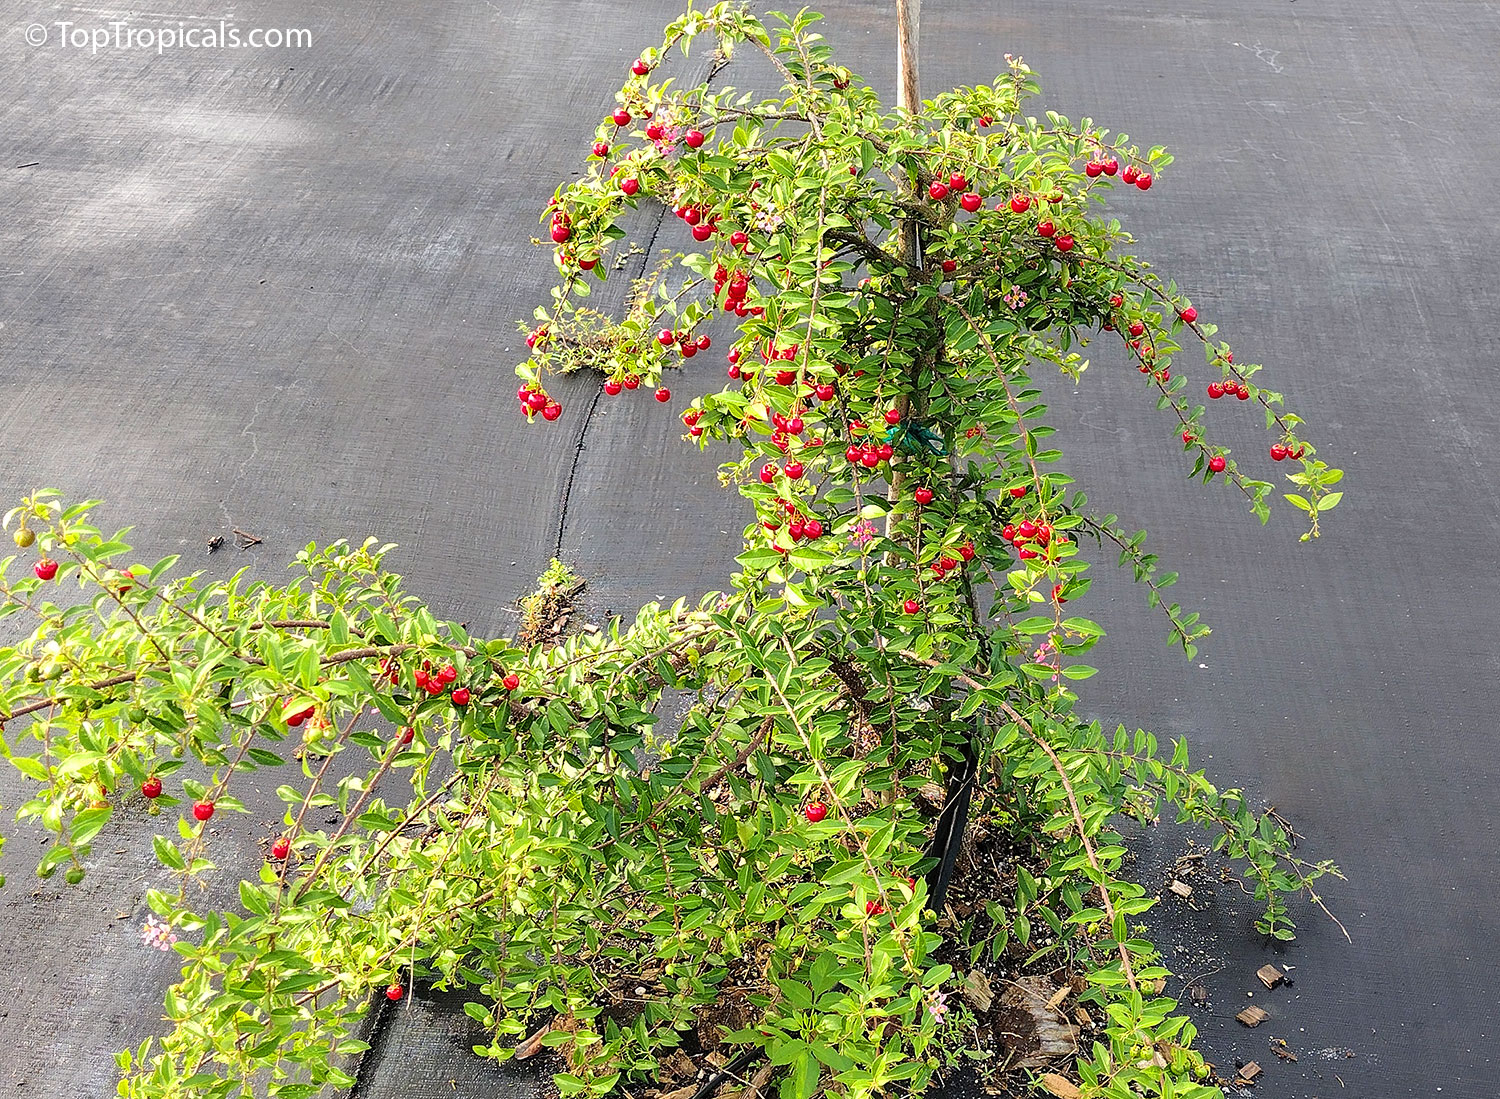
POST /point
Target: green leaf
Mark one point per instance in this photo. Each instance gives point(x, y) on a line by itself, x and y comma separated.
point(167, 853)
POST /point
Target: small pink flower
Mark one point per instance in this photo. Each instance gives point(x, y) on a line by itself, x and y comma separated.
point(863, 533)
point(156, 934)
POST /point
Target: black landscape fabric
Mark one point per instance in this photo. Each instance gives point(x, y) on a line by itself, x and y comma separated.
point(277, 290)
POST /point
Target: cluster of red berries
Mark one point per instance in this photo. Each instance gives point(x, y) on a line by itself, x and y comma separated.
point(536, 400)
point(947, 563)
point(940, 189)
point(1063, 242)
point(1230, 388)
point(798, 526)
point(436, 682)
point(293, 721)
point(687, 344)
point(1095, 168)
point(562, 228)
point(703, 223)
point(738, 285)
point(1027, 535)
point(1280, 452)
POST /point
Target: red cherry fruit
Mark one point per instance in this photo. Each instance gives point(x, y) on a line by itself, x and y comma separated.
point(813, 529)
point(794, 471)
point(621, 117)
point(938, 190)
point(1215, 390)
point(884, 452)
point(1046, 229)
point(733, 371)
point(739, 238)
point(869, 459)
point(1111, 166)
point(1296, 455)
point(690, 417)
point(1187, 436)
point(1008, 532)
point(1216, 464)
point(460, 696)
point(1242, 392)
point(664, 394)
point(923, 495)
point(1116, 300)
point(281, 848)
point(654, 132)
point(45, 569)
point(1278, 452)
point(966, 551)
point(704, 342)
point(1189, 315)
point(448, 673)
point(957, 182)
point(971, 201)
point(852, 454)
point(689, 350)
point(824, 392)
point(874, 908)
point(151, 788)
point(1144, 181)
point(768, 473)
point(815, 811)
point(1020, 490)
point(613, 388)
point(1057, 596)
point(537, 400)
point(601, 148)
point(631, 381)
point(1093, 168)
point(911, 606)
point(630, 186)
point(666, 337)
point(950, 266)
point(1137, 329)
point(892, 416)
point(203, 809)
point(1019, 204)
point(693, 139)
point(1027, 529)
point(408, 734)
point(511, 681)
point(785, 377)
point(640, 68)
point(1131, 173)
point(589, 264)
point(552, 411)
point(703, 231)
point(561, 233)
point(394, 992)
point(1064, 243)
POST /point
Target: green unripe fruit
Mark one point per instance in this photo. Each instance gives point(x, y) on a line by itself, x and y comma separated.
point(74, 875)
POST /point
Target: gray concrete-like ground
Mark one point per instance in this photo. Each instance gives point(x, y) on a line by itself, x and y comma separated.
point(277, 290)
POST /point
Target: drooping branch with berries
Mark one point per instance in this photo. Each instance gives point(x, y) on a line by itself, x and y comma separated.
point(522, 821)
